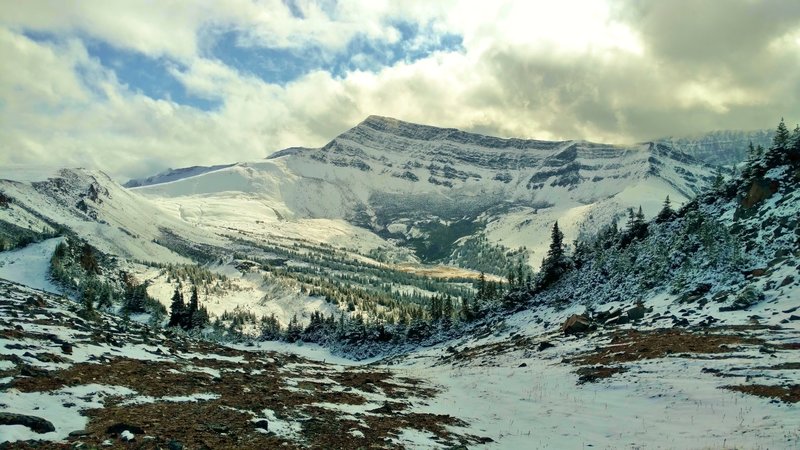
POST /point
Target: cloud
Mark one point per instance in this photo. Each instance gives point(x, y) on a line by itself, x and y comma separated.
point(604, 71)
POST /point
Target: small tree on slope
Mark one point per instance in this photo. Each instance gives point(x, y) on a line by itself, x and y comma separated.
point(177, 309)
point(555, 263)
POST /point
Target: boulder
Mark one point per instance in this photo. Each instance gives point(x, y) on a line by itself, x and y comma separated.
point(36, 424)
point(576, 323)
point(544, 345)
point(637, 312)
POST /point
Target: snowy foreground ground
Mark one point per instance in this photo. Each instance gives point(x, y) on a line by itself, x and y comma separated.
point(105, 381)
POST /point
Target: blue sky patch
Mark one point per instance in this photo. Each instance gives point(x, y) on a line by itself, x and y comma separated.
point(141, 73)
point(283, 65)
point(151, 76)
point(146, 75)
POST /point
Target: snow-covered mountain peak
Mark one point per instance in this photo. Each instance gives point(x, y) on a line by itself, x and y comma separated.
point(401, 181)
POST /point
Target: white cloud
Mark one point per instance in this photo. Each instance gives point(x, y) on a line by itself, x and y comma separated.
point(575, 69)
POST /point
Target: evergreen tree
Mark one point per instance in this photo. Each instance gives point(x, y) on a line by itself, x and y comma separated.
point(270, 328)
point(781, 143)
point(89, 294)
point(481, 294)
point(555, 263)
point(637, 227)
point(794, 151)
point(719, 180)
point(581, 253)
point(666, 214)
point(466, 311)
point(194, 304)
point(782, 137)
point(293, 330)
point(89, 261)
point(177, 309)
point(447, 309)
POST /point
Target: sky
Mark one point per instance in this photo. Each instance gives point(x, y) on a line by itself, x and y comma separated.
point(133, 87)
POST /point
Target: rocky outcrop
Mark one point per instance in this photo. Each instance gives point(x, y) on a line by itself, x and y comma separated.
point(577, 324)
point(36, 424)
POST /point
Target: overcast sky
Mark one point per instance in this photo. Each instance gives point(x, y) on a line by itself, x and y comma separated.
point(133, 87)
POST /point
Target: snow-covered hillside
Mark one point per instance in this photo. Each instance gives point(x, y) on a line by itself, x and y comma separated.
point(517, 383)
point(92, 205)
point(720, 148)
point(388, 179)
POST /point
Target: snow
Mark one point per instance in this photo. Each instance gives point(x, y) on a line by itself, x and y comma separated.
point(30, 265)
point(144, 399)
point(300, 197)
point(281, 428)
point(50, 406)
point(666, 403)
point(313, 352)
point(119, 222)
point(416, 439)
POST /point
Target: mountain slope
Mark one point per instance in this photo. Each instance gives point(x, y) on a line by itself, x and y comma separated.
point(90, 204)
point(406, 182)
point(720, 148)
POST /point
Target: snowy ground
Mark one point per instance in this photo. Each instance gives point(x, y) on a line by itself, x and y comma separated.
point(30, 265)
point(501, 390)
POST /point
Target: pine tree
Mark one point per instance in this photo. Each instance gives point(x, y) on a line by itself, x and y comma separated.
point(466, 311)
point(447, 309)
point(666, 214)
point(555, 263)
point(794, 151)
point(640, 217)
point(481, 294)
point(177, 309)
point(191, 312)
point(89, 261)
point(637, 227)
point(293, 330)
point(581, 253)
point(782, 138)
point(781, 143)
point(719, 180)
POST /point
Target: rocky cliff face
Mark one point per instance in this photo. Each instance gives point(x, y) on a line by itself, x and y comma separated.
point(720, 148)
point(403, 181)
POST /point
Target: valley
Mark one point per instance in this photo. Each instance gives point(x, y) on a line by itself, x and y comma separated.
point(404, 286)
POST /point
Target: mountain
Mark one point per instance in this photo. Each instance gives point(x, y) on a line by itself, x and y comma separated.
point(173, 174)
point(720, 148)
point(676, 332)
point(434, 190)
point(93, 206)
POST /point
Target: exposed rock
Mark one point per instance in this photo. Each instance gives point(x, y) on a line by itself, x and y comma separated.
point(637, 312)
point(34, 301)
point(577, 323)
point(30, 371)
point(748, 297)
point(544, 345)
point(218, 428)
point(262, 423)
point(36, 424)
point(175, 445)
